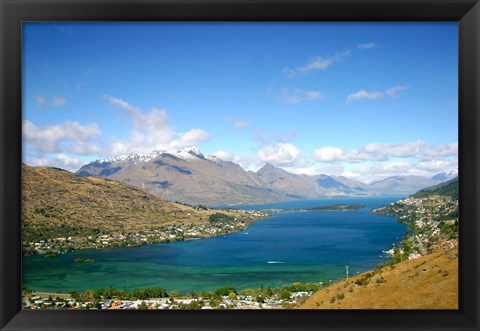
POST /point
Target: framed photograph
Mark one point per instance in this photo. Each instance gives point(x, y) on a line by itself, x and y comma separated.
point(240, 165)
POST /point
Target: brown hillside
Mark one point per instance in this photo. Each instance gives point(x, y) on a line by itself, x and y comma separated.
point(57, 203)
point(429, 282)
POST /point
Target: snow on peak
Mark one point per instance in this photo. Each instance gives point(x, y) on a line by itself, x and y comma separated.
point(193, 149)
point(133, 157)
point(189, 152)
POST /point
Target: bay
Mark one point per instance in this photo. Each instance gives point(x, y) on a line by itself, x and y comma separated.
point(288, 247)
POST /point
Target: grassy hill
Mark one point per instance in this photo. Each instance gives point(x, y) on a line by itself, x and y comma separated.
point(57, 205)
point(426, 282)
point(429, 282)
point(448, 188)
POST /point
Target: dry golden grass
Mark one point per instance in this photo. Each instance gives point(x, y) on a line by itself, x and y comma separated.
point(429, 282)
point(57, 203)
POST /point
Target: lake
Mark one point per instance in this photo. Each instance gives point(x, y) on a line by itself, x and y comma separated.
point(288, 247)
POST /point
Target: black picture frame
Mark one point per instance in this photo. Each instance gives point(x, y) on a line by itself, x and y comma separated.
point(465, 12)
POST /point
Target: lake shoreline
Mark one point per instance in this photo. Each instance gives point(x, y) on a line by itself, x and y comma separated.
point(155, 236)
point(197, 264)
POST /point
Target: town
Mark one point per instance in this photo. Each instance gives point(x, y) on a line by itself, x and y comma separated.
point(219, 224)
point(432, 222)
point(226, 297)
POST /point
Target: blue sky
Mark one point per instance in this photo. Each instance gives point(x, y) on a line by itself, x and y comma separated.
point(364, 100)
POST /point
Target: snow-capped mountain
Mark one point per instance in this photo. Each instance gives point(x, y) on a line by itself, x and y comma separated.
point(192, 177)
point(137, 157)
point(132, 157)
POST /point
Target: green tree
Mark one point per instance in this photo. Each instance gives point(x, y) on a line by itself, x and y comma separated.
point(174, 294)
point(73, 294)
point(225, 290)
point(285, 294)
point(192, 294)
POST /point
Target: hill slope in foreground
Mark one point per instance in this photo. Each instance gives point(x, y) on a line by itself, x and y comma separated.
point(63, 211)
point(429, 282)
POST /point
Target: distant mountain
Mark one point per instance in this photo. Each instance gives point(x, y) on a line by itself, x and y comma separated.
point(192, 177)
point(291, 185)
point(351, 182)
point(329, 183)
point(401, 185)
point(444, 176)
point(186, 176)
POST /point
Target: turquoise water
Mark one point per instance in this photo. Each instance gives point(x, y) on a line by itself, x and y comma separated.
point(286, 248)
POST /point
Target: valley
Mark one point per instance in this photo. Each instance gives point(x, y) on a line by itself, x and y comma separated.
point(65, 212)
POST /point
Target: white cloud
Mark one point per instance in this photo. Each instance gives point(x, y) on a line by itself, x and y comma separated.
point(57, 160)
point(384, 152)
point(299, 96)
point(381, 151)
point(264, 137)
point(393, 91)
point(313, 95)
point(241, 124)
point(189, 138)
point(369, 173)
point(66, 136)
point(317, 63)
point(366, 46)
point(436, 166)
point(238, 123)
point(224, 155)
point(82, 148)
point(362, 94)
point(121, 103)
point(281, 154)
point(443, 151)
point(290, 99)
point(40, 101)
point(246, 162)
point(335, 154)
point(152, 130)
point(154, 120)
point(313, 170)
point(59, 101)
point(329, 154)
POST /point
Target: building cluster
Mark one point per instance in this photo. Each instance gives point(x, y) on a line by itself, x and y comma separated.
point(224, 302)
point(427, 219)
point(161, 234)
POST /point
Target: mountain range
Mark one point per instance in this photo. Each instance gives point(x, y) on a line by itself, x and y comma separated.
point(190, 176)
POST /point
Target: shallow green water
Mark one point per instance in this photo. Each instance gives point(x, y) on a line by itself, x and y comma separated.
point(288, 247)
